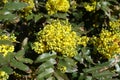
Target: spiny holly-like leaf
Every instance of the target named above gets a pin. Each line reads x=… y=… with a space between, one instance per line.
x=15 y=5
x=45 y=56
x=7 y=69
x=6 y=42
x=26 y=60
x=2 y=59
x=20 y=57
x=46 y=73
x=20 y=53
x=19 y=65
x=69 y=63
x=50 y=63
x=98 y=67
x=103 y=74
x=6 y=15
x=60 y=76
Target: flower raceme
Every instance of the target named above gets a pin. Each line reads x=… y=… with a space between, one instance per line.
x=30 y=6
x=58 y=36
x=115 y=26
x=6 y=48
x=3 y=75
x=90 y=6
x=107 y=43
x=57 y=5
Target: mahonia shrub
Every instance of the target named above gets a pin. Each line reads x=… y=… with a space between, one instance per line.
x=59 y=37
x=107 y=43
x=71 y=39
x=57 y=5
x=4 y=47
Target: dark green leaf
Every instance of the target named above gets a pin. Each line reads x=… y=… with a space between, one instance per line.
x=60 y=76
x=103 y=74
x=7 y=69
x=2 y=59
x=6 y=15
x=20 y=53
x=98 y=67
x=6 y=42
x=44 y=74
x=61 y=15
x=25 y=60
x=15 y=5
x=9 y=57
x=14 y=63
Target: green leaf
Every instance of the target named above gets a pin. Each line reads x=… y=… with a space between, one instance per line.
x=6 y=15
x=9 y=57
x=20 y=57
x=20 y=53
x=36 y=17
x=6 y=42
x=15 y=5
x=61 y=15
x=103 y=74
x=81 y=77
x=45 y=56
x=2 y=60
x=79 y=58
x=98 y=67
x=26 y=60
x=7 y=69
x=69 y=63
x=51 y=78
x=44 y=74
x=60 y=76
x=47 y=64
x=89 y=78
x=117 y=67
x=16 y=64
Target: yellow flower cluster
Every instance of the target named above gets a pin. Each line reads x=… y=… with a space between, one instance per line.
x=58 y=37
x=3 y=75
x=62 y=68
x=115 y=25
x=4 y=1
x=107 y=43
x=90 y=6
x=57 y=5
x=30 y=6
x=6 y=48
x=83 y=40
x=6 y=37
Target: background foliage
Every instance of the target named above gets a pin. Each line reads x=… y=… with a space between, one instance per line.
x=96 y=22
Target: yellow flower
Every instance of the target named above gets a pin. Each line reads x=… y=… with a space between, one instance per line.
x=3 y=75
x=115 y=26
x=90 y=6
x=29 y=8
x=7 y=48
x=62 y=68
x=57 y=5
x=4 y=1
x=107 y=43
x=83 y=41
x=59 y=37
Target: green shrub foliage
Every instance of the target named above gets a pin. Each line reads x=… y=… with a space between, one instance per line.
x=59 y=40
